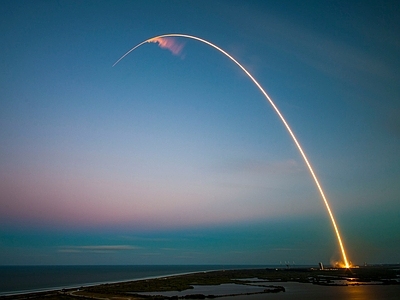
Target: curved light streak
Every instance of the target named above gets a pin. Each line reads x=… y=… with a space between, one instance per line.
x=153 y=39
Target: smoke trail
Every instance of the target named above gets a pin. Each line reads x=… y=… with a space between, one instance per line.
x=163 y=41
x=168 y=43
x=319 y=187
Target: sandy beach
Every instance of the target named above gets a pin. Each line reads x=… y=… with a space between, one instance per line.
x=246 y=284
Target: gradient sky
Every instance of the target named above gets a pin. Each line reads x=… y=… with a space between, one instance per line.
x=177 y=158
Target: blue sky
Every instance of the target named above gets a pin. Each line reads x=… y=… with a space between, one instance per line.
x=178 y=159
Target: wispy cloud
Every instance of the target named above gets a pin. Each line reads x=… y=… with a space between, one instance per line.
x=147 y=239
x=331 y=55
x=96 y=248
x=169 y=43
x=285 y=249
x=265 y=167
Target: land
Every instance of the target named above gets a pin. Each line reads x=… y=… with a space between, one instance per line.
x=384 y=275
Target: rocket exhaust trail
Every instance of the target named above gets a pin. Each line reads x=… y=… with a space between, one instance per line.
x=159 y=37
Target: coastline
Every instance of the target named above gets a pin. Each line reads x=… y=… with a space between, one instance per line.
x=271 y=278
x=88 y=283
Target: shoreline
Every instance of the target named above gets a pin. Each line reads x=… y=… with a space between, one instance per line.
x=91 y=284
x=184 y=280
x=95 y=283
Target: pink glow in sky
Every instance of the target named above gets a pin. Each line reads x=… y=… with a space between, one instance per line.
x=75 y=199
x=169 y=43
x=158 y=143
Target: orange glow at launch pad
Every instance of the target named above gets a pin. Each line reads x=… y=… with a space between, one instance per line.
x=165 y=42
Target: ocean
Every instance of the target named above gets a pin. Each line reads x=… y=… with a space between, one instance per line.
x=24 y=279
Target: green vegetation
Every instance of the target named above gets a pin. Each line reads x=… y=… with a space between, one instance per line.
x=183 y=282
x=127 y=290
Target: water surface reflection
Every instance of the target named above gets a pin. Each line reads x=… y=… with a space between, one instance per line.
x=296 y=290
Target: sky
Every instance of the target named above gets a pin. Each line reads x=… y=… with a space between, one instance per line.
x=173 y=156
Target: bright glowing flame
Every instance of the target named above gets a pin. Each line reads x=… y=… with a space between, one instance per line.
x=341 y=265
x=166 y=44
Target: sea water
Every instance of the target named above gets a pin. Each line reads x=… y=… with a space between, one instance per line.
x=293 y=290
x=24 y=279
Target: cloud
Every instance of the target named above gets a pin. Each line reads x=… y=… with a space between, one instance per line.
x=332 y=55
x=168 y=43
x=265 y=167
x=393 y=123
x=147 y=239
x=96 y=248
x=285 y=249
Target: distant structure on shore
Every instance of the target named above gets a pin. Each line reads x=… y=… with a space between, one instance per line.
x=321 y=266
